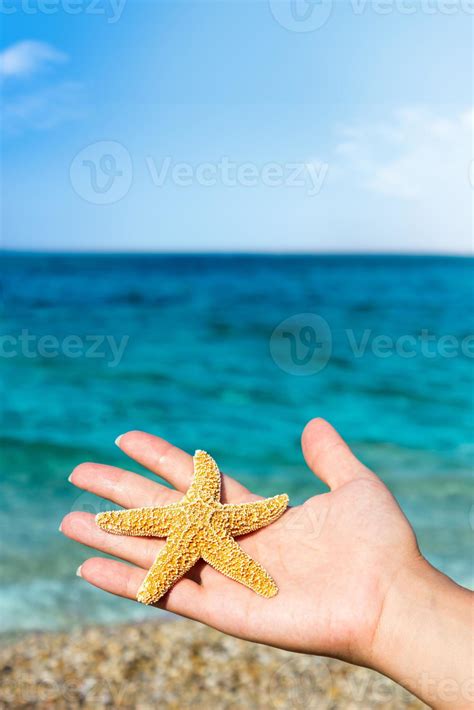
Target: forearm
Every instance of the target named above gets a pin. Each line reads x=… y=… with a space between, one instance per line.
x=424 y=638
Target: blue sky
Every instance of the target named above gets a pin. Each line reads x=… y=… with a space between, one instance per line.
x=255 y=125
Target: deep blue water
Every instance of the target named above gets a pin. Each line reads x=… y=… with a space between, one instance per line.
x=200 y=367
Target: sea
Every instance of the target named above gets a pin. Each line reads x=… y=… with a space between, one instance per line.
x=233 y=354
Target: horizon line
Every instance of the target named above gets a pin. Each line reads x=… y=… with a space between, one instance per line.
x=255 y=253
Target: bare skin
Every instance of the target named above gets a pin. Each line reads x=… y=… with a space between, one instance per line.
x=353 y=583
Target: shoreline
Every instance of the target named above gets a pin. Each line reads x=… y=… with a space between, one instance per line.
x=179 y=664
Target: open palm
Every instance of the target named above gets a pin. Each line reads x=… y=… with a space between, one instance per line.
x=333 y=557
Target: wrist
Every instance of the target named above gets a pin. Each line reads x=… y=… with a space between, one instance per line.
x=423 y=638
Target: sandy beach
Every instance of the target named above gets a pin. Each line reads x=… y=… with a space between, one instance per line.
x=179 y=664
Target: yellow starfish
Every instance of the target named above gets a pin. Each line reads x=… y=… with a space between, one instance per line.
x=199 y=526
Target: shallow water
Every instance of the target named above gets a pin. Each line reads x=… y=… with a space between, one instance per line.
x=200 y=366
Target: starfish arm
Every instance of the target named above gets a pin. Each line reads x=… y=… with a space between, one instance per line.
x=173 y=561
x=226 y=556
x=206 y=483
x=246 y=517
x=140 y=522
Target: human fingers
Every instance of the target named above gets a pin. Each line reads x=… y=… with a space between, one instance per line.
x=329 y=457
x=130 y=490
x=173 y=464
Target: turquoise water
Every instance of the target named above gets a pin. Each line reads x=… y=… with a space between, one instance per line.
x=200 y=367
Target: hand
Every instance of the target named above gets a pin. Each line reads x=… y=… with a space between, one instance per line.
x=337 y=559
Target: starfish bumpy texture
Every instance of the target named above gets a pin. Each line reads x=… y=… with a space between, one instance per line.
x=199 y=526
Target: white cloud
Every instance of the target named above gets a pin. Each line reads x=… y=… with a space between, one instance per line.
x=411 y=155
x=44 y=109
x=414 y=169
x=39 y=108
x=28 y=57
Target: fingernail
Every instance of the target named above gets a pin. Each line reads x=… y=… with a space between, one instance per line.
x=69 y=478
x=60 y=529
x=79 y=571
x=117 y=440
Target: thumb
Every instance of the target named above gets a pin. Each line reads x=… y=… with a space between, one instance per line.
x=329 y=457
